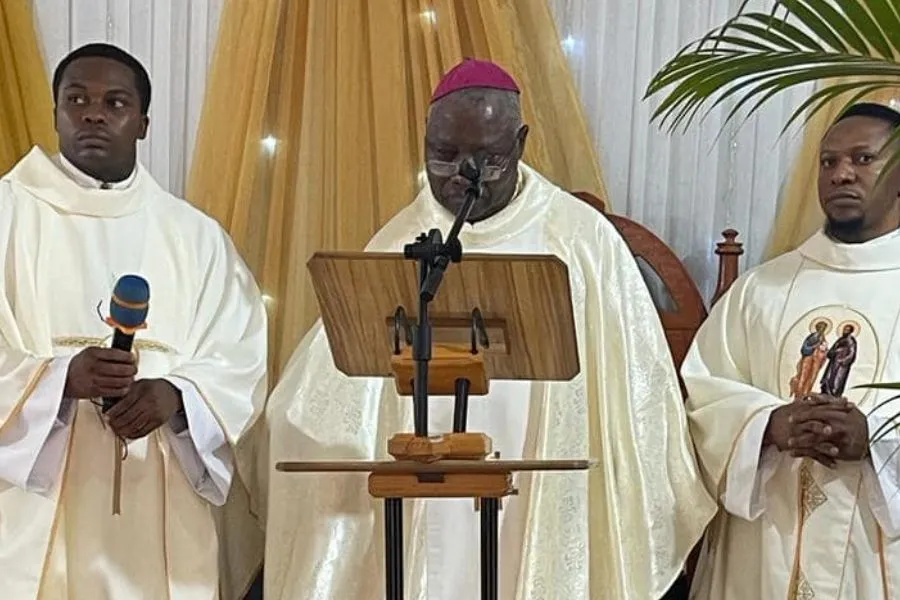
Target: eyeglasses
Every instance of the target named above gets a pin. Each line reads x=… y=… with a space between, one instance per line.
x=491 y=172
x=494 y=166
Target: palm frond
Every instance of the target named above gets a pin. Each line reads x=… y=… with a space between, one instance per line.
x=754 y=56
x=892 y=423
x=895 y=385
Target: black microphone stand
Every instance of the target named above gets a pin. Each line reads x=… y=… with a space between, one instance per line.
x=434 y=256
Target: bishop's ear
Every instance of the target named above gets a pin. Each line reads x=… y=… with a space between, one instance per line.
x=145 y=124
x=521 y=136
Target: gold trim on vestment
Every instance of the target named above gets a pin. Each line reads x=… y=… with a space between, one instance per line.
x=51 y=541
x=86 y=342
x=163 y=446
x=812 y=495
x=809 y=498
x=885 y=586
x=29 y=389
x=802 y=591
x=798 y=546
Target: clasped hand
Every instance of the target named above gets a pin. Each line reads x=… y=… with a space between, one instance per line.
x=820 y=427
x=144 y=405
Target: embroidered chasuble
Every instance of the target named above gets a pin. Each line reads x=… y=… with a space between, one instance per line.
x=821 y=319
x=621 y=531
x=65 y=242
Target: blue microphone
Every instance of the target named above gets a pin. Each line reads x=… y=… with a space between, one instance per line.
x=128 y=310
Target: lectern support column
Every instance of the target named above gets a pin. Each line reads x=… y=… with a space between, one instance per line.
x=393 y=546
x=490 y=514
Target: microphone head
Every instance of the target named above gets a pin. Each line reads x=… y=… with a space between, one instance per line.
x=471 y=168
x=130 y=302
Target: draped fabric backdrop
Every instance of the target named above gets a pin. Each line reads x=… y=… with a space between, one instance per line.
x=685 y=187
x=174 y=39
x=26 y=112
x=322 y=108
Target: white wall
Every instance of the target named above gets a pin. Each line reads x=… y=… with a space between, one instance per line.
x=685 y=187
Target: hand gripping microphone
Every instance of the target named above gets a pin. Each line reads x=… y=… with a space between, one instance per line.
x=128 y=309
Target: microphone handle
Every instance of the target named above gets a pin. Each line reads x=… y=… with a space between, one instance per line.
x=120 y=341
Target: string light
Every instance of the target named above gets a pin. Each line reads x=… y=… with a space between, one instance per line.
x=569 y=44
x=429 y=16
x=269 y=143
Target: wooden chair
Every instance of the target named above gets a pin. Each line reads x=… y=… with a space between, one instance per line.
x=680 y=305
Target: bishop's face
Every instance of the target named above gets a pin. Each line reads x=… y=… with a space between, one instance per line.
x=851 y=158
x=461 y=126
x=99 y=118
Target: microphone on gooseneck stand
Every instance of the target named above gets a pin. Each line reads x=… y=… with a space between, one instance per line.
x=473 y=169
x=128 y=309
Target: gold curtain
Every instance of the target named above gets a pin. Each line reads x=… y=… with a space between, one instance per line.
x=26 y=103
x=800 y=215
x=311 y=133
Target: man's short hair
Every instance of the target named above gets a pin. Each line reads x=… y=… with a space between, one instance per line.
x=872 y=110
x=99 y=50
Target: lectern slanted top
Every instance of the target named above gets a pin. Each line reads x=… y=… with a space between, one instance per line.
x=525 y=301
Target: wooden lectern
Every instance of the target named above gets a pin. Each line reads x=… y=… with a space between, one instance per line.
x=497 y=317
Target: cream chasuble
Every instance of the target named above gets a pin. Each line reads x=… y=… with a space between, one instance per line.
x=64 y=245
x=622 y=531
x=824 y=317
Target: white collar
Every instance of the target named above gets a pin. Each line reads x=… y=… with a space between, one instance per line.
x=86 y=181
x=47 y=181
x=880 y=254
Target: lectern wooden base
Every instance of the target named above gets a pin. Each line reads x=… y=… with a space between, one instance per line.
x=488 y=481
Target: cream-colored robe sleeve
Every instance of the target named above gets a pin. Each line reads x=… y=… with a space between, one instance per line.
x=33 y=442
x=199 y=444
x=728 y=415
x=228 y=370
x=881 y=472
x=228 y=365
x=22 y=374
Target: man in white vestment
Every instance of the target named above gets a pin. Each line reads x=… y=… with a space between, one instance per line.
x=809 y=493
x=70 y=226
x=622 y=530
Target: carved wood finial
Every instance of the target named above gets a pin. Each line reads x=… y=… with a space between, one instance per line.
x=728 y=252
x=730 y=245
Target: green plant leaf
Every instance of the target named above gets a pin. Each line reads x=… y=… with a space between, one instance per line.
x=794 y=69
x=889 y=425
x=816 y=23
x=788 y=30
x=833 y=94
x=862 y=21
x=894 y=385
x=754 y=56
x=885 y=13
x=778 y=42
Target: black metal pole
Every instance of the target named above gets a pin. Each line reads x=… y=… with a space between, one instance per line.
x=461 y=406
x=393 y=542
x=490 y=513
x=422 y=353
